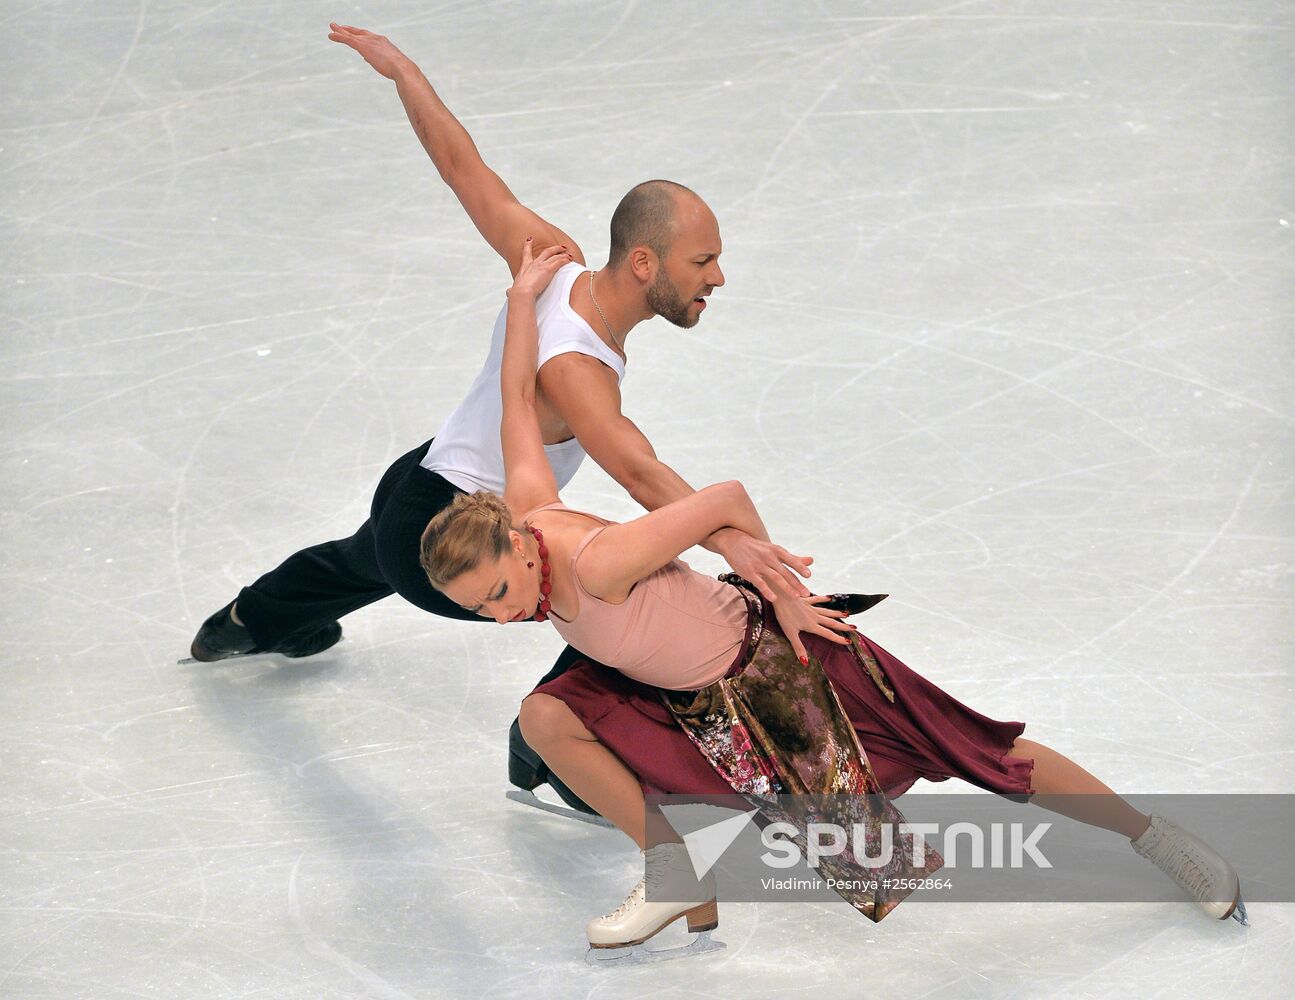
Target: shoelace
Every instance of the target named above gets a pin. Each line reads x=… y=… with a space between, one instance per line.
x=649 y=882
x=638 y=892
x=1184 y=864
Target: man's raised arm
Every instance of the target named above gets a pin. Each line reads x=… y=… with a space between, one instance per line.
x=493 y=208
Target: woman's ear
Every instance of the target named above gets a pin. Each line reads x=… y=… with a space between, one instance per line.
x=519 y=547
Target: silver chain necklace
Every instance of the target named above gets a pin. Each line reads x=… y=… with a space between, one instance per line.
x=619 y=346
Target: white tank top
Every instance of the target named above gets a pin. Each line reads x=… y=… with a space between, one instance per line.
x=466 y=450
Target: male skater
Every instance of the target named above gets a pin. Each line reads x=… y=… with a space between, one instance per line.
x=663 y=261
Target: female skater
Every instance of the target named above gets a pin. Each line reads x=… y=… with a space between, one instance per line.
x=716 y=696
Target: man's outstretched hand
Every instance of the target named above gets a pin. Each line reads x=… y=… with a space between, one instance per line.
x=765 y=565
x=377 y=50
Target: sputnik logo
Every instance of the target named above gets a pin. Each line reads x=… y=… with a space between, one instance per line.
x=707 y=845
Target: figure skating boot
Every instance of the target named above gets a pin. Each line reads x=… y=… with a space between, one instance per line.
x=1200 y=870
x=527 y=770
x=221 y=637
x=618 y=937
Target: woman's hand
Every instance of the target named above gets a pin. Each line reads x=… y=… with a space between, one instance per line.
x=535 y=273
x=804 y=615
x=377 y=50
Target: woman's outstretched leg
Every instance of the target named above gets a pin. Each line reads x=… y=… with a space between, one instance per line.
x=1062 y=786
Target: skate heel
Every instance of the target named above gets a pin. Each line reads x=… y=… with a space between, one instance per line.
x=704 y=917
x=523 y=774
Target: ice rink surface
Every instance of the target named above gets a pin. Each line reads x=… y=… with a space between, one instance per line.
x=1006 y=333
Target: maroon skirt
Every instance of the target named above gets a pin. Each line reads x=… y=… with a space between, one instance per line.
x=925 y=733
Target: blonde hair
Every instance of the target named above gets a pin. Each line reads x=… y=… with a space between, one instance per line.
x=472 y=528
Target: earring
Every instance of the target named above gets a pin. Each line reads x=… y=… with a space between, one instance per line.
x=530 y=565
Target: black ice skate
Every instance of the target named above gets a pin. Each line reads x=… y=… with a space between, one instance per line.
x=528 y=771
x=221 y=637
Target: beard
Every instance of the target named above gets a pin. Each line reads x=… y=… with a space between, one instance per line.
x=663 y=298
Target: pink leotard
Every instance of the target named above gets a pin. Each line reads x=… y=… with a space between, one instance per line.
x=677 y=629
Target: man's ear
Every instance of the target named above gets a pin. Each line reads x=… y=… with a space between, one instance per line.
x=643 y=264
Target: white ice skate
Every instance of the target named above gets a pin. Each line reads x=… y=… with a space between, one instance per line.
x=619 y=937
x=1193 y=864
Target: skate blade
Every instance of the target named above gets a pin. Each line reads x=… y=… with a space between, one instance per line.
x=236 y=658
x=1239 y=913
x=528 y=798
x=258 y=655
x=641 y=954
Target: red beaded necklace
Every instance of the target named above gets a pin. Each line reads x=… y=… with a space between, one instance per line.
x=546 y=588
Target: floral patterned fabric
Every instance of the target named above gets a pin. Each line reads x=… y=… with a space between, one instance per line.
x=775 y=727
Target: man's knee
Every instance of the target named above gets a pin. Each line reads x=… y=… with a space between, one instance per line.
x=544 y=719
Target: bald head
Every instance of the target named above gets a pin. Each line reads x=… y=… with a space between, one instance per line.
x=647 y=217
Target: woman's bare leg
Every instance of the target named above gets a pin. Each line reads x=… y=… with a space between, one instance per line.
x=589 y=769
x=1062 y=786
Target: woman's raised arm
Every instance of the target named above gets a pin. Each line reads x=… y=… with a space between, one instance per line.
x=528 y=477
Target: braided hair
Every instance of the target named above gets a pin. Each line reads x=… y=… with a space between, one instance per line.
x=471 y=529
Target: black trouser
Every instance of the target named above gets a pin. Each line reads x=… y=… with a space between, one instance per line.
x=320 y=584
